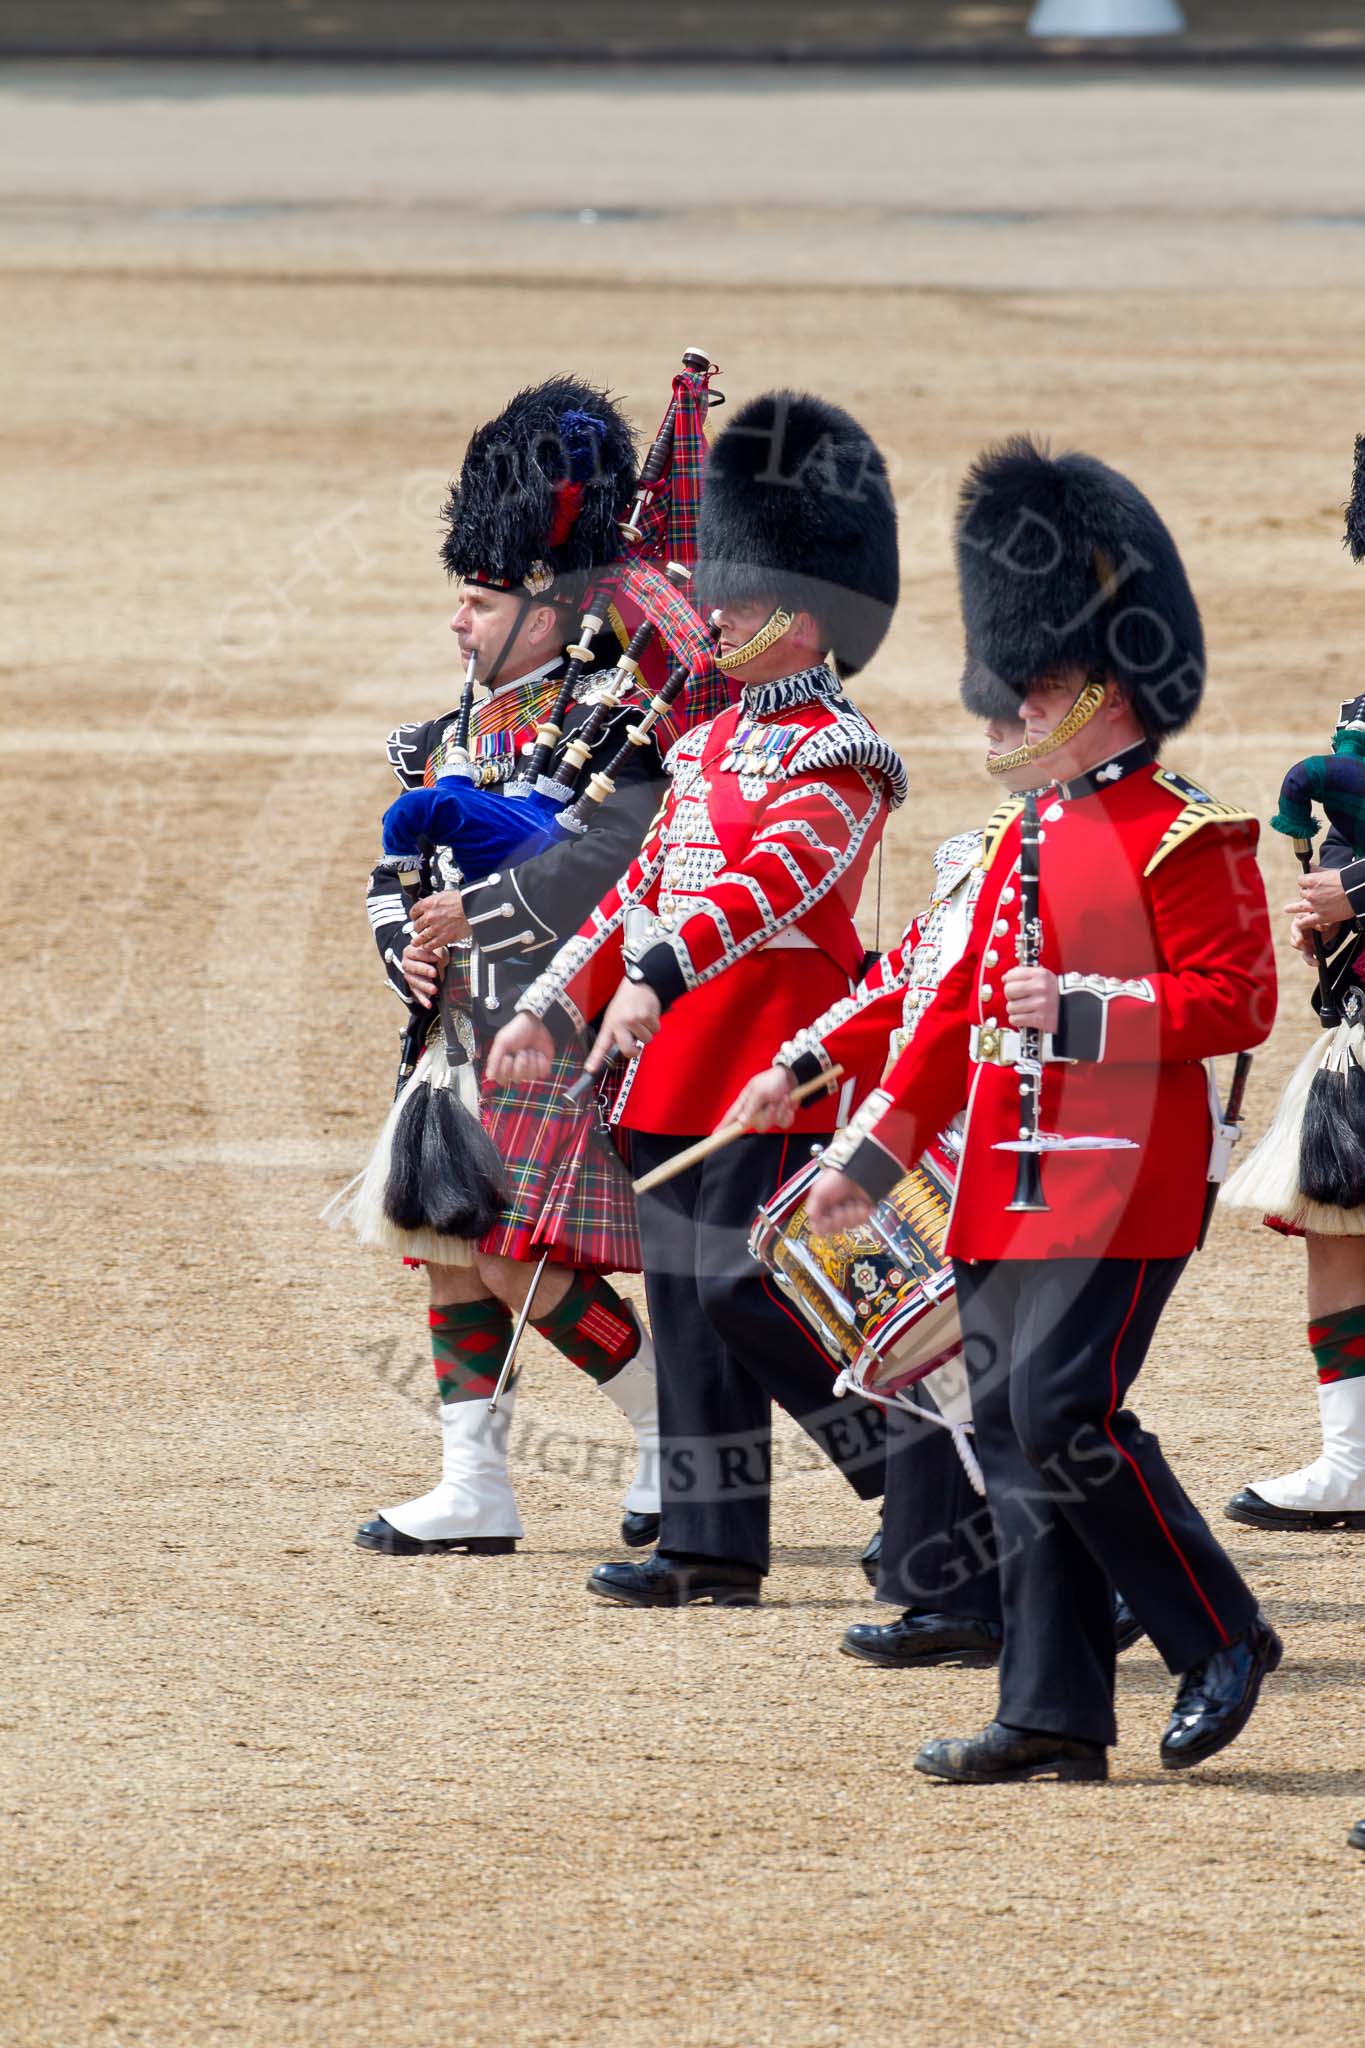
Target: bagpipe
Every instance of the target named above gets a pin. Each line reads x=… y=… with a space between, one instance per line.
x=1321 y=1121
x=1308 y=1171
x=548 y=802
x=435 y=1177
x=434 y=1183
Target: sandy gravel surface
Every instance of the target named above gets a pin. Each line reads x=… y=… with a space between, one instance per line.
x=261 y=1788
x=724 y=174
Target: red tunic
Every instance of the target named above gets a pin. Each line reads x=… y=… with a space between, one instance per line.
x=739 y=908
x=867 y=1032
x=1153 y=913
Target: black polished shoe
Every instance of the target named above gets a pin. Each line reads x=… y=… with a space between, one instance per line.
x=677 y=1582
x=390 y=1542
x=924 y=1639
x=1218 y=1697
x=1247 y=1506
x=1007 y=1756
x=1356 y=1838
x=871 y=1560
x=639 y=1531
x=1127 y=1628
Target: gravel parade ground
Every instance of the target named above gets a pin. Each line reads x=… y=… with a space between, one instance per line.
x=265 y=1789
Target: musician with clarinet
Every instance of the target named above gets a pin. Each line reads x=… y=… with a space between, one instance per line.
x=922 y=1561
x=1073 y=1031
x=532 y=526
x=737 y=918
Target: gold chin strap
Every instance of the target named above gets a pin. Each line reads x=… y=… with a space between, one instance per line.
x=763 y=639
x=1081 y=713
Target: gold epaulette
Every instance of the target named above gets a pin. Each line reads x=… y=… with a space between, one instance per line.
x=997 y=827
x=1197 y=809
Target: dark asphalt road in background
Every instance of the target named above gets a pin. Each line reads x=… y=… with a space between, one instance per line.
x=852 y=30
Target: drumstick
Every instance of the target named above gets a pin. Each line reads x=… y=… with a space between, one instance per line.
x=726 y=1135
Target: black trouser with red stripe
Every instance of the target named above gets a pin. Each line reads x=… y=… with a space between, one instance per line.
x=1081 y=1496
x=728 y=1346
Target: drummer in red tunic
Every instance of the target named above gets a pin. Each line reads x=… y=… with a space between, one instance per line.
x=733 y=924
x=1155 y=956
x=932 y=1557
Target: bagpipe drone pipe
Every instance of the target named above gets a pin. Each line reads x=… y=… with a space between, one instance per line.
x=1324 y=1104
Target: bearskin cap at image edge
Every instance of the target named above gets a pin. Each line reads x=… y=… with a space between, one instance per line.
x=1065 y=567
x=797 y=511
x=546 y=482
x=1355 y=511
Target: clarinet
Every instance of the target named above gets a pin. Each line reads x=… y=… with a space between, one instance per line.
x=1028 y=1179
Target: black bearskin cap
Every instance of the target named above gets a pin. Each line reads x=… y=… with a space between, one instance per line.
x=1355 y=511
x=796 y=510
x=545 y=483
x=1063 y=565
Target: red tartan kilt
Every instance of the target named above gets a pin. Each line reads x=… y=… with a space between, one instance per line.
x=569 y=1189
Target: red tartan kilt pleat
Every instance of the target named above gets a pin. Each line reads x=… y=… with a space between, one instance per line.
x=569 y=1189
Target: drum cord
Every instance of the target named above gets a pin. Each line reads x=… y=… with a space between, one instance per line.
x=960 y=1432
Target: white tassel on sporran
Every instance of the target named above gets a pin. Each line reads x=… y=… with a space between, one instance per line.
x=1270 y=1178
x=360 y=1204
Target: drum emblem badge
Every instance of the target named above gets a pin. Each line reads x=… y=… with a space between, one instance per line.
x=864 y=1277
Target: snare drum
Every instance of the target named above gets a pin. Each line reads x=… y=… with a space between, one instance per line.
x=879 y=1299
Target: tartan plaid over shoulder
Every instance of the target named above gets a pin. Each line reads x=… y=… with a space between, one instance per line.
x=638 y=589
x=669 y=526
